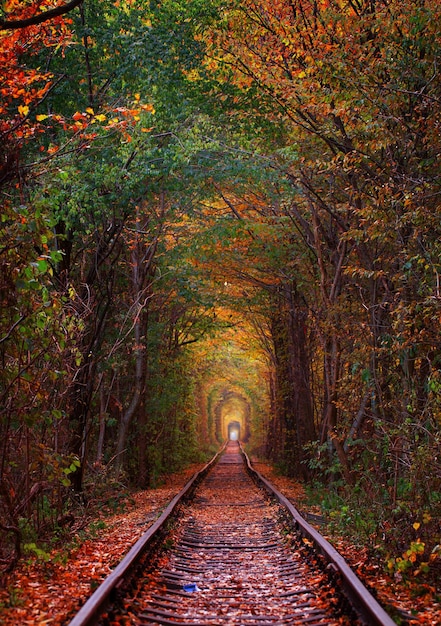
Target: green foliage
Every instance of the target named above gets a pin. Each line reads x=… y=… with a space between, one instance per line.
x=39 y=553
x=256 y=172
x=416 y=560
x=15 y=598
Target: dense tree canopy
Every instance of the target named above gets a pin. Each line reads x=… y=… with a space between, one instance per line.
x=219 y=211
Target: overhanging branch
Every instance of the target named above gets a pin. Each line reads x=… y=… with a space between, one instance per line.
x=40 y=18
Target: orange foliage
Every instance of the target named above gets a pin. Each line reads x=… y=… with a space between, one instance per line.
x=23 y=88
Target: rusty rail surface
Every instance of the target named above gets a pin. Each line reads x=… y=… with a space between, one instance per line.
x=362 y=599
x=228 y=561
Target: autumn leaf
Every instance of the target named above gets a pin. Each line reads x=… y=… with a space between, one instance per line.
x=148 y=107
x=23 y=109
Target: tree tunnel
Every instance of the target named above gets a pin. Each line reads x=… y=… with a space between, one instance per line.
x=232 y=416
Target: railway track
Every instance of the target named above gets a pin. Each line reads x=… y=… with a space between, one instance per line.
x=236 y=553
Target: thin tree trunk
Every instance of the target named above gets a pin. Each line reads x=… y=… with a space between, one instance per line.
x=102 y=422
x=126 y=418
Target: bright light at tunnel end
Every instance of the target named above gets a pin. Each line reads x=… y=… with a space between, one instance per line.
x=234 y=434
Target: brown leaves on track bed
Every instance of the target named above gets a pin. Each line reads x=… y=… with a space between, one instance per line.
x=39 y=593
x=49 y=593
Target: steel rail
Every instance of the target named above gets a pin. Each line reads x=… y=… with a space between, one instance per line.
x=94 y=606
x=359 y=595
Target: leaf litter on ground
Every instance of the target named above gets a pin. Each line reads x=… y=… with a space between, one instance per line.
x=50 y=593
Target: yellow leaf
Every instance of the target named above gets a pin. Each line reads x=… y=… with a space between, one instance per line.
x=100 y=117
x=416 y=525
x=148 y=107
x=137 y=96
x=307 y=541
x=23 y=109
x=90 y=111
x=41 y=117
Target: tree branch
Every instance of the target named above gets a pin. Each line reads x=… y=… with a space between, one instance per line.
x=40 y=17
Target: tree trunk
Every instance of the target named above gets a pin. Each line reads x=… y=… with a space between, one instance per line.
x=102 y=422
x=293 y=390
x=93 y=306
x=142 y=276
x=138 y=389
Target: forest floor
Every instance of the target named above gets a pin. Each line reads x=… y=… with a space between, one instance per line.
x=41 y=592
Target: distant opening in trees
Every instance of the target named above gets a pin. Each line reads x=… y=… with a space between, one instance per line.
x=232 y=408
x=234 y=431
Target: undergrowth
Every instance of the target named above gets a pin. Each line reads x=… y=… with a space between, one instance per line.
x=402 y=535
